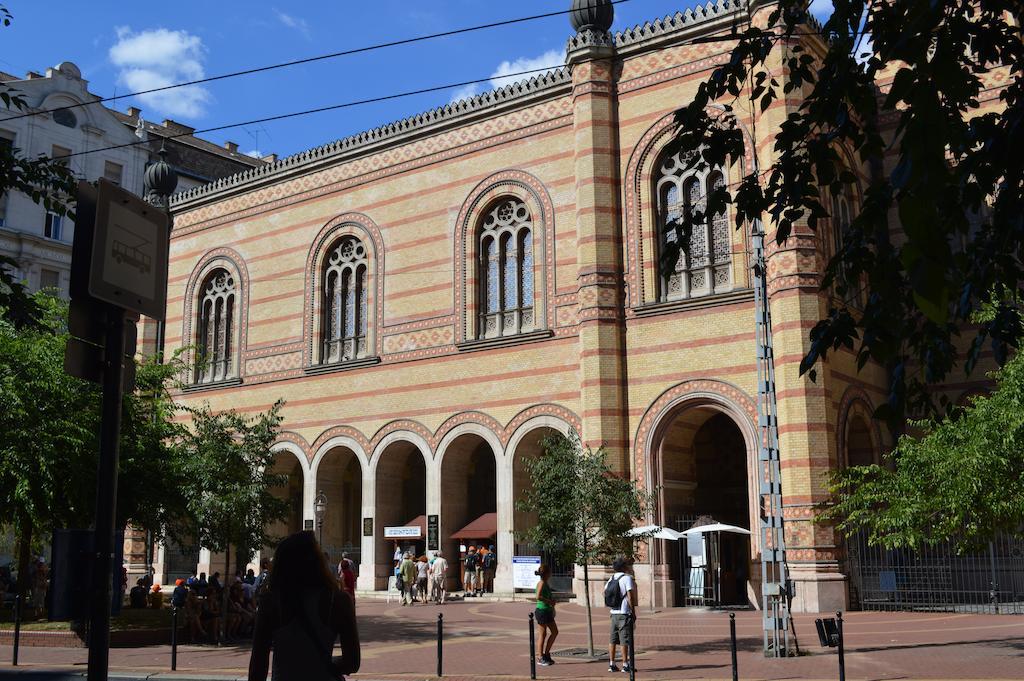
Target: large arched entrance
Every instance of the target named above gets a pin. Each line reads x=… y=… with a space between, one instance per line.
x=401 y=500
x=860 y=451
x=287 y=465
x=701 y=471
x=340 y=477
x=469 y=509
x=531 y=447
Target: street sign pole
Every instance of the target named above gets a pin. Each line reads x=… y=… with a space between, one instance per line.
x=106 y=497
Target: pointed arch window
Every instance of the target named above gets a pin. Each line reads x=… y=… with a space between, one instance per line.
x=842 y=217
x=506 y=270
x=704 y=265
x=216 y=328
x=344 y=301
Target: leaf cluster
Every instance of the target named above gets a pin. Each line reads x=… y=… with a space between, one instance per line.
x=962 y=480
x=902 y=79
x=583 y=508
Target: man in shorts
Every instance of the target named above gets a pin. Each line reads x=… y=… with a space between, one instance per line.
x=439 y=575
x=624 y=616
x=472 y=564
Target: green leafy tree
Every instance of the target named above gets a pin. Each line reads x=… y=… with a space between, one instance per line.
x=49 y=424
x=962 y=480
x=226 y=480
x=955 y=179
x=583 y=509
x=46 y=181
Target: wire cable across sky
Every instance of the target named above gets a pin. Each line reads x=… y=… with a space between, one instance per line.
x=307 y=60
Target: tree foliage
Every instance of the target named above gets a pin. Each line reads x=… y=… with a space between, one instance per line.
x=956 y=181
x=46 y=181
x=226 y=479
x=583 y=508
x=963 y=479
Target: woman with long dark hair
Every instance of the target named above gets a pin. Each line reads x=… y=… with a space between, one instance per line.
x=300 y=617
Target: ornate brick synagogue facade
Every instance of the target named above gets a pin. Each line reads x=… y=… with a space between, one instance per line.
x=433 y=297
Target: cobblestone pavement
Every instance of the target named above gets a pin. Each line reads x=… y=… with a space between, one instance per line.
x=490 y=639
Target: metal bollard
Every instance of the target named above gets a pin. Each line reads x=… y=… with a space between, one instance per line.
x=17 y=628
x=174 y=638
x=842 y=659
x=440 y=635
x=632 y=646
x=533 y=651
x=732 y=646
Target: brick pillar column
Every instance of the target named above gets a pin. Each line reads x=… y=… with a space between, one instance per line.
x=591 y=58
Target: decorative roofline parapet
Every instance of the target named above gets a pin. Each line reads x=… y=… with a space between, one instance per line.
x=463 y=108
x=624 y=42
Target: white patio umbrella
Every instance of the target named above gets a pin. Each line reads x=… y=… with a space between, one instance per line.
x=654 y=532
x=714 y=527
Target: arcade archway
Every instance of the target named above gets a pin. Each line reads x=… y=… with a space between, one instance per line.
x=468 y=499
x=340 y=477
x=701 y=472
x=401 y=500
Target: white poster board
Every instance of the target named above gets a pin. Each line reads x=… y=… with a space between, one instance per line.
x=524 y=570
x=403 y=532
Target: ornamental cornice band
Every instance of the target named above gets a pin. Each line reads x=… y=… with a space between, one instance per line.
x=550 y=80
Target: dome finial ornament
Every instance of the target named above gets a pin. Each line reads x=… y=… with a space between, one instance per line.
x=593 y=15
x=160 y=180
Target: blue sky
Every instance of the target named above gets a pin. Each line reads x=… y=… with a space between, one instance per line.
x=125 y=46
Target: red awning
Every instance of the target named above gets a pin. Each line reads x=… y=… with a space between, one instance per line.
x=484 y=527
x=419 y=521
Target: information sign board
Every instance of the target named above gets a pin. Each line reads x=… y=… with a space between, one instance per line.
x=524 y=569
x=403 y=532
x=433 y=534
x=129 y=252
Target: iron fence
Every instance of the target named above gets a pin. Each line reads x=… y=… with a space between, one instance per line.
x=937 y=578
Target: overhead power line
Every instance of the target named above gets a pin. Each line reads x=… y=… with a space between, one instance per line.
x=308 y=60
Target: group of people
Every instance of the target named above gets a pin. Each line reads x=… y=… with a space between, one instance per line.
x=39 y=581
x=478 y=570
x=620 y=597
x=422 y=579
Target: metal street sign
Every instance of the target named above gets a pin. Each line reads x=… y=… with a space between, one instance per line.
x=129 y=252
x=433 y=533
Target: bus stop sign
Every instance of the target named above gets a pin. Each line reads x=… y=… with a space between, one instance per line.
x=129 y=252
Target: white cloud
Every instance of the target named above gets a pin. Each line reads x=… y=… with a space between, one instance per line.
x=159 y=57
x=501 y=76
x=293 y=22
x=255 y=153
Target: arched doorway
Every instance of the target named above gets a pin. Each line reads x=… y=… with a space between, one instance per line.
x=531 y=447
x=469 y=509
x=701 y=471
x=285 y=464
x=401 y=499
x=340 y=477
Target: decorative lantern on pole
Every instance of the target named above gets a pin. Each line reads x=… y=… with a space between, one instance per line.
x=319 y=509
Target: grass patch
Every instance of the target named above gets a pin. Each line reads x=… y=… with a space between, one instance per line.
x=128 y=620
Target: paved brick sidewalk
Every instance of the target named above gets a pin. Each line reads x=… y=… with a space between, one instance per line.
x=490 y=639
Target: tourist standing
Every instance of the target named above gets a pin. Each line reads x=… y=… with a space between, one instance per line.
x=407 y=573
x=489 y=563
x=304 y=612
x=544 y=615
x=472 y=565
x=620 y=597
x=439 y=576
x=421 y=579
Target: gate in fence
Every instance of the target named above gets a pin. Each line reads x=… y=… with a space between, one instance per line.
x=937 y=578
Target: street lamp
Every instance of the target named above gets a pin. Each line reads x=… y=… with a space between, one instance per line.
x=319 y=508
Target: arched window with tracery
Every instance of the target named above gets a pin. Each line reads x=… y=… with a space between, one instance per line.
x=344 y=301
x=704 y=264
x=841 y=218
x=506 y=270
x=216 y=328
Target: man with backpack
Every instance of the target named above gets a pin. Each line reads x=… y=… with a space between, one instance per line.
x=620 y=597
x=489 y=563
x=471 y=563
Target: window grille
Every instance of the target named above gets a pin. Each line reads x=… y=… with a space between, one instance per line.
x=506 y=268
x=216 y=328
x=704 y=266
x=345 y=309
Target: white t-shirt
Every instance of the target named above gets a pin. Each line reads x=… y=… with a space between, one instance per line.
x=439 y=567
x=626 y=584
x=421 y=570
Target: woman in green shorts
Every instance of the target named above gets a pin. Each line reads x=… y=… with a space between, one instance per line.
x=545 y=616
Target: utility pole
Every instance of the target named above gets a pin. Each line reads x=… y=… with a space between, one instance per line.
x=774 y=575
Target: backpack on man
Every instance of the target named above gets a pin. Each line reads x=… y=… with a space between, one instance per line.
x=613 y=595
x=489 y=560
